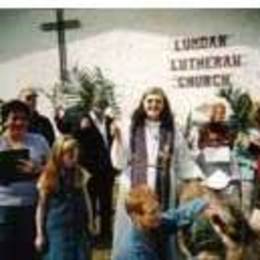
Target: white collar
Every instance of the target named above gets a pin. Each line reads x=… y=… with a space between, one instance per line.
x=152 y=124
x=95 y=118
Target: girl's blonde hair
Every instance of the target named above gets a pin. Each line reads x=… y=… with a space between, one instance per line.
x=49 y=179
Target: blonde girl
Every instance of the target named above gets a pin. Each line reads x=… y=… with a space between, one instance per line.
x=63 y=205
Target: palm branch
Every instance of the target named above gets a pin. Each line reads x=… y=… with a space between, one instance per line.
x=242 y=108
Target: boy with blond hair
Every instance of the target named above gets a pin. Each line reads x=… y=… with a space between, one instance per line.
x=151 y=227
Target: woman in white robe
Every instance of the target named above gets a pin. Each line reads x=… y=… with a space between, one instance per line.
x=152 y=151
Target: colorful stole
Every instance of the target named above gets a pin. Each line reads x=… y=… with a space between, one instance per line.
x=139 y=161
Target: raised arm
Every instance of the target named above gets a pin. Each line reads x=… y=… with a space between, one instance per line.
x=185 y=165
x=119 y=149
x=184 y=215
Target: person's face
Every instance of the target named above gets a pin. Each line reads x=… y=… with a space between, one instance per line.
x=99 y=108
x=31 y=101
x=99 y=111
x=70 y=158
x=153 y=106
x=150 y=217
x=17 y=123
x=219 y=113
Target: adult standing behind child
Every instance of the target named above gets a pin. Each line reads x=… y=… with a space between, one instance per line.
x=217 y=156
x=38 y=123
x=92 y=130
x=153 y=152
x=63 y=210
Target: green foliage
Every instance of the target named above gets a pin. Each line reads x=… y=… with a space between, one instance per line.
x=202 y=236
x=81 y=87
x=242 y=107
x=80 y=90
x=86 y=85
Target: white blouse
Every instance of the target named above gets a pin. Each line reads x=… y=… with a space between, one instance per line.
x=120 y=153
x=182 y=162
x=152 y=131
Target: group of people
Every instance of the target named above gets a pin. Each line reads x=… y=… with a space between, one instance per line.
x=18 y=193
x=55 y=188
x=68 y=183
x=221 y=150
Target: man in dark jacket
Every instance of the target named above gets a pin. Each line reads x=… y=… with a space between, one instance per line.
x=38 y=123
x=92 y=130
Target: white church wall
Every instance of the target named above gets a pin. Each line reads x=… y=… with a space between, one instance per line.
x=132 y=47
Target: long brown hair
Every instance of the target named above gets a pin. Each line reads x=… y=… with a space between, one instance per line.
x=49 y=179
x=166 y=117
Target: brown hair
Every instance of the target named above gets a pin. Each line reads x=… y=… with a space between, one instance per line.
x=166 y=117
x=137 y=197
x=14 y=106
x=49 y=179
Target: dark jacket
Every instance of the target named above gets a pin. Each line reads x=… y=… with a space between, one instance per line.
x=40 y=124
x=94 y=151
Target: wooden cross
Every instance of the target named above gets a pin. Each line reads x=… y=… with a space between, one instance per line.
x=60 y=26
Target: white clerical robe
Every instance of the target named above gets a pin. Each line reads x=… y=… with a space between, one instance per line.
x=182 y=167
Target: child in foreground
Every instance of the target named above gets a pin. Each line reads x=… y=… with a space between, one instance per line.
x=151 y=227
x=63 y=206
